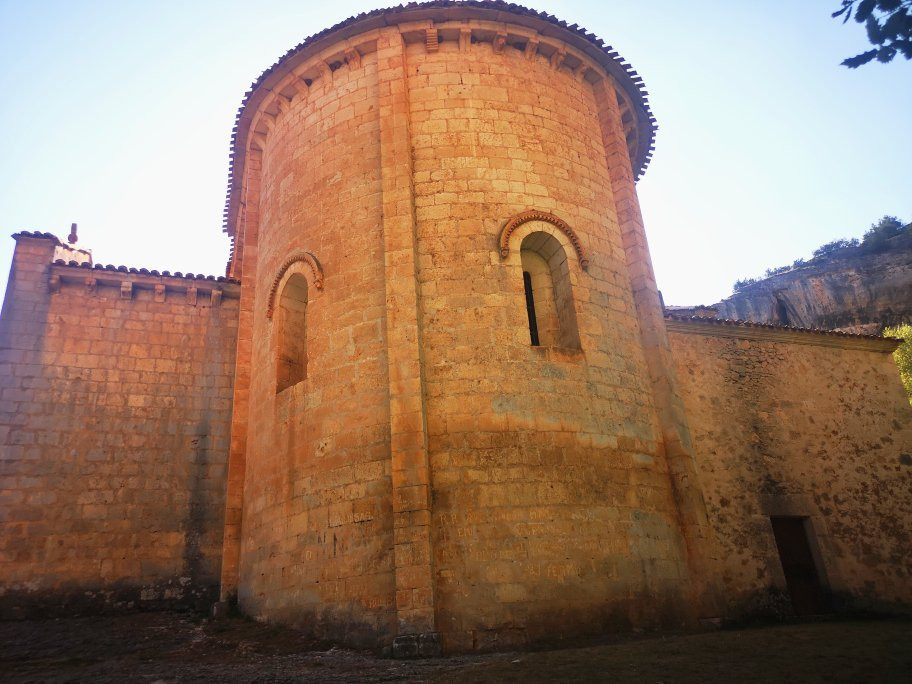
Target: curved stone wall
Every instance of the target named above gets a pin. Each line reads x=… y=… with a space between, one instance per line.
x=316 y=544
x=435 y=472
x=551 y=500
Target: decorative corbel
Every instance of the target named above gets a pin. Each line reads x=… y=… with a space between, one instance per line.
x=557 y=58
x=499 y=41
x=299 y=85
x=259 y=141
x=353 y=58
x=465 y=39
x=580 y=71
x=431 y=39
x=268 y=119
x=281 y=102
x=325 y=71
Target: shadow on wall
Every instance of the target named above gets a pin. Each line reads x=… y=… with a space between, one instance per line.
x=197 y=507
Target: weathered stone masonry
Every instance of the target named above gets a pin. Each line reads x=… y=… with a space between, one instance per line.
x=115 y=400
x=801 y=423
x=441 y=407
x=521 y=492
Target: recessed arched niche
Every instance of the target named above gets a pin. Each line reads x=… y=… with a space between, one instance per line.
x=287 y=308
x=291 y=332
x=546 y=246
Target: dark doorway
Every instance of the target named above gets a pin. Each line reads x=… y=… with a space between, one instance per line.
x=798 y=565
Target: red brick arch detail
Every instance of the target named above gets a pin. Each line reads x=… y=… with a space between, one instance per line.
x=534 y=215
x=316 y=271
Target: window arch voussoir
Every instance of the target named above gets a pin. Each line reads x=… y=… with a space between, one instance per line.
x=512 y=232
x=302 y=257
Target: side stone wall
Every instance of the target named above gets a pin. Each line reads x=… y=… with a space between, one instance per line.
x=115 y=402
x=807 y=425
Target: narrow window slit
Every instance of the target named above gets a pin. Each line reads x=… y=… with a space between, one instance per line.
x=548 y=292
x=530 y=308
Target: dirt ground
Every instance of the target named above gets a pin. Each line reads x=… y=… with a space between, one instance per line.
x=159 y=648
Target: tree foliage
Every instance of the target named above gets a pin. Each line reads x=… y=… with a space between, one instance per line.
x=876 y=237
x=831 y=248
x=889 y=27
x=777 y=270
x=741 y=284
x=903 y=354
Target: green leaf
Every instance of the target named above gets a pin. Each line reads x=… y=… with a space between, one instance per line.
x=875 y=36
x=895 y=25
x=903 y=355
x=858 y=60
x=864 y=9
x=846 y=6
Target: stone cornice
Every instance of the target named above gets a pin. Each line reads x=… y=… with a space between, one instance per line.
x=351 y=37
x=91 y=278
x=764 y=333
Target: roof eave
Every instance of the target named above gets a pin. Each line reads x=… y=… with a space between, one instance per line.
x=493 y=10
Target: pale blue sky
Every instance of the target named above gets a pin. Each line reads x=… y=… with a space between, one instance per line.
x=117 y=115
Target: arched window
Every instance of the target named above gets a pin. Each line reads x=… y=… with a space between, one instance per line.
x=549 y=297
x=291 y=349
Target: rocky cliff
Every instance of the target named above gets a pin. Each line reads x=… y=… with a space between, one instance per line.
x=853 y=291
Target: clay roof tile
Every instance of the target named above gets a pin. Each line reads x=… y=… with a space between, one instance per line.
x=749 y=324
x=634 y=82
x=138 y=271
x=37 y=234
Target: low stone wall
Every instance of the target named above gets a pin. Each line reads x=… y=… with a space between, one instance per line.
x=803 y=425
x=115 y=402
